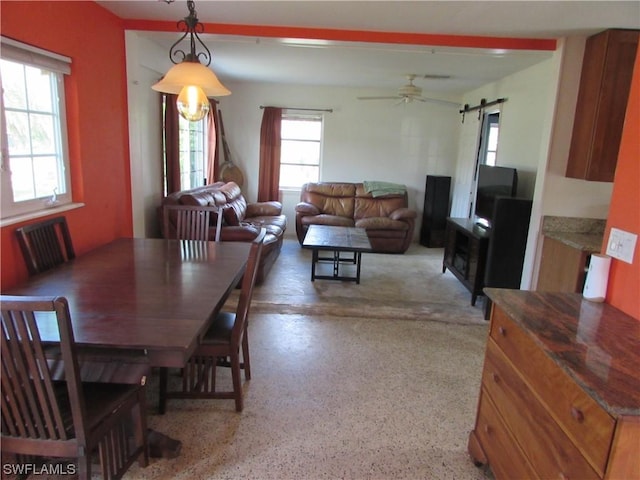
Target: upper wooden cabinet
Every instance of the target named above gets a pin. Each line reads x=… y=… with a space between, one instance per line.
x=607 y=70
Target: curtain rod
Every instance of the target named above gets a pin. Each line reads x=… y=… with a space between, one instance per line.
x=330 y=110
x=483 y=104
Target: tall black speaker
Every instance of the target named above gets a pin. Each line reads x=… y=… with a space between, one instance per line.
x=507 y=242
x=436 y=211
x=507 y=245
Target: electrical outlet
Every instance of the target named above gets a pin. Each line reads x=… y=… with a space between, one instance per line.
x=621 y=245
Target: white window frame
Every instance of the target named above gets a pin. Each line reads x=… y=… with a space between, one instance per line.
x=184 y=131
x=304 y=116
x=58 y=65
x=199 y=130
x=490 y=127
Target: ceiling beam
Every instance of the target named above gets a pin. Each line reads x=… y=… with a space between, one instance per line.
x=435 y=40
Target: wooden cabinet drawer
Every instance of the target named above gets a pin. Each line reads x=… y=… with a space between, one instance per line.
x=548 y=448
x=588 y=425
x=506 y=459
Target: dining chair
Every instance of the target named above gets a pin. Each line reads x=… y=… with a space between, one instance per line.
x=45 y=244
x=221 y=345
x=189 y=222
x=48 y=418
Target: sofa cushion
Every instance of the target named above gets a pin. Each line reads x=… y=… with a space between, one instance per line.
x=331 y=198
x=332 y=189
x=403 y=214
x=279 y=221
x=236 y=206
x=231 y=191
x=261 y=209
x=201 y=198
x=305 y=208
x=368 y=206
x=230 y=216
x=324 y=219
x=381 y=223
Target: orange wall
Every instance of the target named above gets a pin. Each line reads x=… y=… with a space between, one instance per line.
x=96 y=99
x=623 y=289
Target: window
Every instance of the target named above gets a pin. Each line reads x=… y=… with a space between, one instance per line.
x=487 y=149
x=301 y=149
x=193 y=153
x=193 y=147
x=489 y=139
x=35 y=163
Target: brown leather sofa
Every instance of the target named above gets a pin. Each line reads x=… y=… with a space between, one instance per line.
x=387 y=219
x=241 y=221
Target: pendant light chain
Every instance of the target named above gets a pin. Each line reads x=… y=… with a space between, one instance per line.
x=190 y=26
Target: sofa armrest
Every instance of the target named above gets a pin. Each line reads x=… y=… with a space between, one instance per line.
x=243 y=233
x=307 y=209
x=261 y=209
x=403 y=213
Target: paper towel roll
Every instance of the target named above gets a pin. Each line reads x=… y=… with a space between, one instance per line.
x=595 y=286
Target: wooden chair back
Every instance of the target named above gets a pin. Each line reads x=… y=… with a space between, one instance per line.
x=246 y=292
x=46 y=417
x=45 y=244
x=31 y=405
x=187 y=222
x=221 y=346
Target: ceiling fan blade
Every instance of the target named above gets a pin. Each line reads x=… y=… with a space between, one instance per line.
x=378 y=98
x=437 y=100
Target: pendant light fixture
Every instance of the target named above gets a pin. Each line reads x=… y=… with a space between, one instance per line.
x=190 y=79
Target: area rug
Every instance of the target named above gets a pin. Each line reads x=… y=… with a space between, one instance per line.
x=409 y=286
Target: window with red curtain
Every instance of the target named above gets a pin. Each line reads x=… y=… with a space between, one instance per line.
x=190 y=148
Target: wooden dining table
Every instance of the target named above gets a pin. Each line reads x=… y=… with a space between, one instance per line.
x=154 y=297
x=151 y=295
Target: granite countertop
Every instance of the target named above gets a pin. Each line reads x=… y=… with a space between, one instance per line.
x=594 y=343
x=588 y=242
x=581 y=233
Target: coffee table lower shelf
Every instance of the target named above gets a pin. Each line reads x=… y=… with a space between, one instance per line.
x=336 y=259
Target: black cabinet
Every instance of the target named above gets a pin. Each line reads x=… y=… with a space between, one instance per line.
x=465 y=253
x=489 y=257
x=436 y=211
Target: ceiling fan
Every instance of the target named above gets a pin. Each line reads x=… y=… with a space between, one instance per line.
x=410 y=92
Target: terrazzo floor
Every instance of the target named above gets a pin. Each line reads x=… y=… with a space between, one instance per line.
x=372 y=381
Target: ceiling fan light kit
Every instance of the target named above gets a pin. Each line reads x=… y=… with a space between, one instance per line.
x=410 y=92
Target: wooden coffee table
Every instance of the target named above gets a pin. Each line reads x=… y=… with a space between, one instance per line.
x=337 y=240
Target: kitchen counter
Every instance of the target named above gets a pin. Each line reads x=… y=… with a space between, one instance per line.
x=560 y=393
x=585 y=234
x=595 y=344
x=586 y=242
x=566 y=251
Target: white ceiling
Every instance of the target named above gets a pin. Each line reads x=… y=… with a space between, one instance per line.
x=381 y=67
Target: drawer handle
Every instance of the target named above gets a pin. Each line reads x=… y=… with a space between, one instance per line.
x=487 y=429
x=503 y=331
x=496 y=377
x=562 y=476
x=577 y=414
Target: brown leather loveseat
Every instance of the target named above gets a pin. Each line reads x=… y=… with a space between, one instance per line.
x=241 y=221
x=388 y=220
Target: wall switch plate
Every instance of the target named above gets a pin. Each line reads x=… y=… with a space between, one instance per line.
x=621 y=245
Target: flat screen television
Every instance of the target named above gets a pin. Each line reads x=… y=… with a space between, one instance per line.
x=493 y=182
